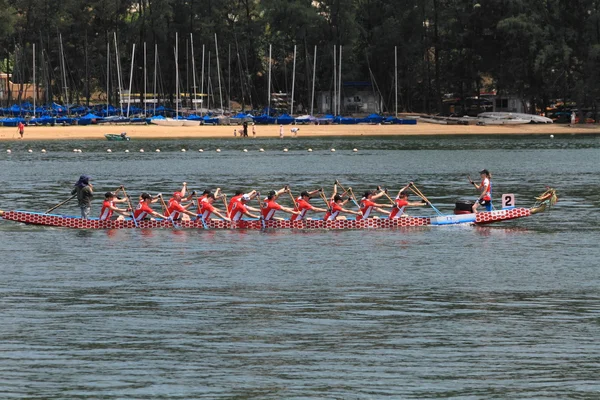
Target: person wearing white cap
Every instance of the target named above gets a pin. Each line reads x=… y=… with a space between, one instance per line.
x=239 y=209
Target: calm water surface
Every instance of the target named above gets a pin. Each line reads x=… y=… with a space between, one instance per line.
x=506 y=311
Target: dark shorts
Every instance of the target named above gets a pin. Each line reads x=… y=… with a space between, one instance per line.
x=486 y=203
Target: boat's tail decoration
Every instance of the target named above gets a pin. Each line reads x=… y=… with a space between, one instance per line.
x=544 y=201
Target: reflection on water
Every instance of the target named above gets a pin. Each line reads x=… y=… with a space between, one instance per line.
x=500 y=311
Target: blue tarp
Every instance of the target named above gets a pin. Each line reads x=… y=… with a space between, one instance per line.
x=285 y=119
x=89 y=119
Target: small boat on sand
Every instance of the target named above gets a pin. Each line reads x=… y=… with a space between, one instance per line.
x=116 y=137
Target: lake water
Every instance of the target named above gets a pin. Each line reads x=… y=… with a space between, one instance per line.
x=505 y=311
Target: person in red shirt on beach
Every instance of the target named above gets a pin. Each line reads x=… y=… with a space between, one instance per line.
x=108 y=207
x=303 y=205
x=143 y=209
x=269 y=205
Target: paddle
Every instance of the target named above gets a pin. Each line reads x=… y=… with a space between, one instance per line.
x=129 y=205
x=293 y=200
x=163 y=204
x=262 y=220
x=61 y=203
x=386 y=195
x=416 y=191
x=200 y=215
x=348 y=191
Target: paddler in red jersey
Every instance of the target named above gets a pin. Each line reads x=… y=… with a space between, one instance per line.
x=336 y=206
x=205 y=195
x=208 y=209
x=175 y=210
x=108 y=207
x=367 y=205
x=239 y=209
x=269 y=205
x=303 y=205
x=238 y=195
x=143 y=209
x=401 y=203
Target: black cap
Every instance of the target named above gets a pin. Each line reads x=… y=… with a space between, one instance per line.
x=146 y=196
x=206 y=191
x=404 y=193
x=484 y=171
x=367 y=194
x=109 y=194
x=304 y=193
x=337 y=198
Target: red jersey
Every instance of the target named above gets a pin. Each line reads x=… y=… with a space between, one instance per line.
x=488 y=192
x=333 y=212
x=233 y=200
x=398 y=210
x=366 y=206
x=174 y=209
x=106 y=212
x=268 y=208
x=201 y=200
x=206 y=210
x=141 y=211
x=303 y=206
x=237 y=211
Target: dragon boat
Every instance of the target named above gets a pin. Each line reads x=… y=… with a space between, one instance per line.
x=461 y=216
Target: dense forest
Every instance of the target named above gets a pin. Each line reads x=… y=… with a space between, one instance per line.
x=539 y=50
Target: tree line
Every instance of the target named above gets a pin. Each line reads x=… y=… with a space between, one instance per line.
x=538 y=50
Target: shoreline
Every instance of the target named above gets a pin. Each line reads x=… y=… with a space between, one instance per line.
x=96 y=132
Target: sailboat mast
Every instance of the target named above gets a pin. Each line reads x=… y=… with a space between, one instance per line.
x=293 y=82
x=64 y=73
x=119 y=80
x=195 y=101
x=176 y=75
x=312 y=99
x=269 y=84
x=334 y=97
x=34 y=87
x=107 y=76
x=208 y=84
x=396 y=76
x=339 y=98
x=145 y=79
x=219 y=74
x=130 y=80
x=154 y=101
x=202 y=83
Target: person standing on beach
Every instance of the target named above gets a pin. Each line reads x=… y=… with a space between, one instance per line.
x=280 y=131
x=85 y=192
x=253 y=130
x=245 y=127
x=21 y=129
x=234 y=132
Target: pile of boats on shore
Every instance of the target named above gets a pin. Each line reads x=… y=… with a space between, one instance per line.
x=489 y=118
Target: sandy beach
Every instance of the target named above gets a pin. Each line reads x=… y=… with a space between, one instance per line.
x=158 y=132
